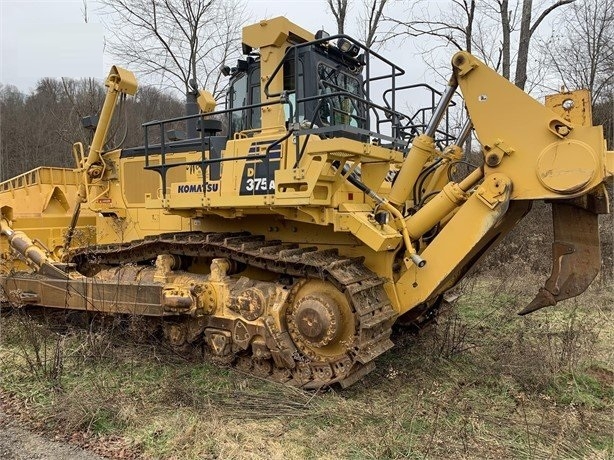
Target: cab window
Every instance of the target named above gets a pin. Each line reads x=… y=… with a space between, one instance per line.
x=238 y=98
x=245 y=90
x=340 y=109
x=289 y=86
x=254 y=97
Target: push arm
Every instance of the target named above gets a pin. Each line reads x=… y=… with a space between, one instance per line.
x=530 y=152
x=120 y=81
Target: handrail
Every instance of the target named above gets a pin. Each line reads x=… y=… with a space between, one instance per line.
x=328 y=39
x=210 y=114
x=362 y=104
x=394 y=72
x=445 y=138
x=32 y=177
x=163 y=167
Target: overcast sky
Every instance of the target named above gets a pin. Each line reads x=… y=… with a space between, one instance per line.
x=49 y=38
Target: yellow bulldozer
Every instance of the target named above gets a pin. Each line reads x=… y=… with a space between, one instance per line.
x=295 y=226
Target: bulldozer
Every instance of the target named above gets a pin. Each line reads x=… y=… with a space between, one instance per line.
x=289 y=231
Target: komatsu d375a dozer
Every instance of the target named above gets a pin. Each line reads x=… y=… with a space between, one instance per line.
x=289 y=231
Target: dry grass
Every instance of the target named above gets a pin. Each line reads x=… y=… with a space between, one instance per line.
x=481 y=383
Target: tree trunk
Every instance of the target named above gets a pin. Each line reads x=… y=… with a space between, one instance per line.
x=373 y=20
x=469 y=29
x=339 y=10
x=523 y=46
x=506 y=32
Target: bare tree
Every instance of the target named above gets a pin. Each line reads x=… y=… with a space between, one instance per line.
x=46 y=122
x=453 y=25
x=527 y=30
x=42 y=124
x=507 y=22
x=339 y=9
x=580 y=53
x=485 y=28
x=583 y=56
x=368 y=18
x=176 y=40
x=84 y=11
x=13 y=129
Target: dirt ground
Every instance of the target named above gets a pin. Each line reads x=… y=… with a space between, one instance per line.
x=18 y=443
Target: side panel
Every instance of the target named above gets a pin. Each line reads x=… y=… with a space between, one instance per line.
x=40 y=203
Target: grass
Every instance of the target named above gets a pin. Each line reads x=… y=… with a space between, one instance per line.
x=481 y=383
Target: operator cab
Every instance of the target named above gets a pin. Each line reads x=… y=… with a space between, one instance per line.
x=330 y=89
x=326 y=82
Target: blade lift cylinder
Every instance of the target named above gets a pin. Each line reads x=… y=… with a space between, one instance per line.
x=422 y=148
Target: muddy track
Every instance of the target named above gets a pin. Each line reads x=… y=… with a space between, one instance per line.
x=372 y=312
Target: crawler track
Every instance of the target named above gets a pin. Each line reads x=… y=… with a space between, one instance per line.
x=289 y=360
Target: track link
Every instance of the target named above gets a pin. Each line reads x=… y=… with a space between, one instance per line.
x=371 y=308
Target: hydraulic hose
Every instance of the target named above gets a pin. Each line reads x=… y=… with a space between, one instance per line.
x=413 y=255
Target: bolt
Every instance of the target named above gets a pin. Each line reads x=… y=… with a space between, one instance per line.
x=492 y=160
x=562 y=130
x=459 y=61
